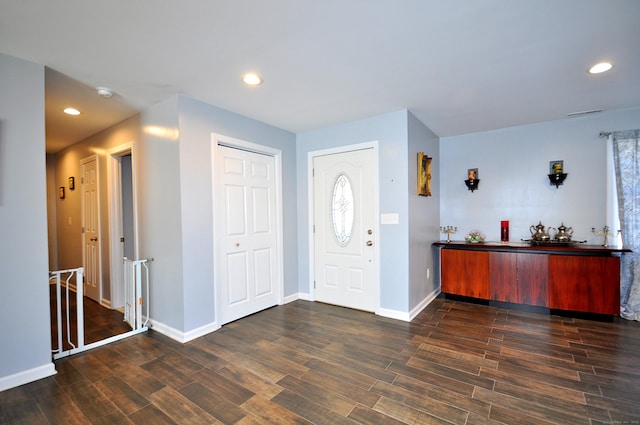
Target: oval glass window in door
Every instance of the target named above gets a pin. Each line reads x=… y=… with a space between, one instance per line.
x=342 y=210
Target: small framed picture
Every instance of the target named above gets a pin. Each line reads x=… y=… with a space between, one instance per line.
x=61 y=192
x=472 y=174
x=556 y=167
x=424 y=174
x=72 y=183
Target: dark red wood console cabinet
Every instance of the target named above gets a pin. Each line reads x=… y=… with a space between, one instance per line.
x=581 y=278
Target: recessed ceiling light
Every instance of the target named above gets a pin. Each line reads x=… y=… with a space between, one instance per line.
x=252 y=79
x=104 y=92
x=600 y=67
x=71 y=111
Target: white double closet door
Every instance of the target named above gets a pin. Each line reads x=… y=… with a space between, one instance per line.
x=248 y=233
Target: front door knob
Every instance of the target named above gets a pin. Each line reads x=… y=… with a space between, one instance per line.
x=369 y=243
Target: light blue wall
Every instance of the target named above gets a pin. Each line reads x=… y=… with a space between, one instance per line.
x=513 y=165
x=177 y=220
x=159 y=212
x=175 y=201
x=25 y=347
x=198 y=121
x=424 y=214
x=390 y=131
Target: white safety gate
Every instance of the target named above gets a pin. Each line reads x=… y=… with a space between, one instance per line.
x=133 y=277
x=133 y=272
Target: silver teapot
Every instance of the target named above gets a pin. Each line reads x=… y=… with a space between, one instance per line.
x=563 y=234
x=538 y=234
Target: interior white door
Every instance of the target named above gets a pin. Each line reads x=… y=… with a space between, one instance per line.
x=345 y=270
x=91 y=228
x=248 y=233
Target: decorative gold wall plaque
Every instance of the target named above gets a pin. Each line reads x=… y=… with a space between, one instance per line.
x=424 y=174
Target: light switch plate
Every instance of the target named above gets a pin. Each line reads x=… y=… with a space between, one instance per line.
x=392 y=218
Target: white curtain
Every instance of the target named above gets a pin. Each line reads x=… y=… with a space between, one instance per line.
x=626 y=153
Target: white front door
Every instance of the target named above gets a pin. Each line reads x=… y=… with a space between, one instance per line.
x=344 y=198
x=248 y=235
x=91 y=228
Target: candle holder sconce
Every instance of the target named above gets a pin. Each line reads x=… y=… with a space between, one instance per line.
x=472 y=180
x=556 y=174
x=604 y=232
x=448 y=230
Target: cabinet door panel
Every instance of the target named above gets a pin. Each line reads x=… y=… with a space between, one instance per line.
x=503 y=276
x=465 y=273
x=586 y=284
x=533 y=275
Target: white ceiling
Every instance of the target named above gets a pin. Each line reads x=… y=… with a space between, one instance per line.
x=460 y=66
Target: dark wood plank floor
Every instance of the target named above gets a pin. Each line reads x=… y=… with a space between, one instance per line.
x=304 y=362
x=99 y=322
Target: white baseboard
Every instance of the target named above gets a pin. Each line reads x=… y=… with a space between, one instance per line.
x=409 y=316
x=290 y=298
x=183 y=337
x=424 y=303
x=305 y=296
x=27 y=376
x=298 y=296
x=180 y=336
x=394 y=314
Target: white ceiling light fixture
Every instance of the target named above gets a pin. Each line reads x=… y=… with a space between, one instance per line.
x=600 y=68
x=71 y=111
x=104 y=92
x=252 y=79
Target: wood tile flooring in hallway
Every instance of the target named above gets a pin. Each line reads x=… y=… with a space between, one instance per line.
x=99 y=322
x=304 y=362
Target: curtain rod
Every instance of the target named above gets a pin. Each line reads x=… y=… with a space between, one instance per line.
x=605 y=133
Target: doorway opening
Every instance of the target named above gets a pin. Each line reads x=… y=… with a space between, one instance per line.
x=122 y=202
x=107 y=228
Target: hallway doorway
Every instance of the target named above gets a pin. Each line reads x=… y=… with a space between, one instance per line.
x=121 y=199
x=105 y=222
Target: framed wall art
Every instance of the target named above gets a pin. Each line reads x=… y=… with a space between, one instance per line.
x=556 y=167
x=424 y=174
x=472 y=180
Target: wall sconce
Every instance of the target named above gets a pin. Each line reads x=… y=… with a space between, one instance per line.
x=72 y=183
x=61 y=192
x=472 y=180
x=556 y=174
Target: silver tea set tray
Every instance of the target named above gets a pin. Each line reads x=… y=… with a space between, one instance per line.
x=562 y=236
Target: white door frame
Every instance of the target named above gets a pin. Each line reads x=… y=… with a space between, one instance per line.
x=341 y=149
x=114 y=199
x=218 y=139
x=83 y=161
